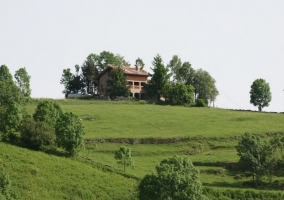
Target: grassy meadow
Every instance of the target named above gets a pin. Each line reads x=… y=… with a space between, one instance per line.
x=105 y=119
x=210 y=136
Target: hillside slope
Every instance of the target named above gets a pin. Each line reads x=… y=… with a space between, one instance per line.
x=36 y=175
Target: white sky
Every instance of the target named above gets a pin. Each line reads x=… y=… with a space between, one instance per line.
x=235 y=41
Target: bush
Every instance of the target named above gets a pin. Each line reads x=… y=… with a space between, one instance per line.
x=176 y=178
x=201 y=103
x=69 y=133
x=35 y=134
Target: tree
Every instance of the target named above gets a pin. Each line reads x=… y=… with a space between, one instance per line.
x=254 y=153
x=176 y=178
x=139 y=62
x=11 y=102
x=160 y=78
x=117 y=84
x=186 y=74
x=180 y=93
x=69 y=133
x=106 y=58
x=175 y=65
x=48 y=111
x=66 y=80
x=204 y=86
x=23 y=82
x=5 y=73
x=260 y=94
x=89 y=72
x=123 y=157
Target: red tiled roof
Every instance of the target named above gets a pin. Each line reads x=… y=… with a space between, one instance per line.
x=126 y=70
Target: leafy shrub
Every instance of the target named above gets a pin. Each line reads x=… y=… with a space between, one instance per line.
x=69 y=133
x=35 y=134
x=201 y=103
x=176 y=178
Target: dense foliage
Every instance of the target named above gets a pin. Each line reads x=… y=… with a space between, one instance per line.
x=11 y=104
x=35 y=134
x=117 y=84
x=254 y=153
x=176 y=178
x=48 y=111
x=69 y=133
x=160 y=78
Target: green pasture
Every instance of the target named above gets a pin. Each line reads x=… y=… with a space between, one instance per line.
x=108 y=119
x=36 y=175
x=210 y=136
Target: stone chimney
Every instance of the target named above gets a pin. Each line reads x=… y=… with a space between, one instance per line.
x=137 y=67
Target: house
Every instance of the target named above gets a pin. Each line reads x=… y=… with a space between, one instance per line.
x=135 y=77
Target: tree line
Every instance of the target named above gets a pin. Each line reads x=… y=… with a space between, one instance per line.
x=177 y=81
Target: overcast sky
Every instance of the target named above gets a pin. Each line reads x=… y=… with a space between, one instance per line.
x=235 y=41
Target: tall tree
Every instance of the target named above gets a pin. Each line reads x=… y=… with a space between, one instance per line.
x=23 y=82
x=117 y=84
x=186 y=74
x=204 y=86
x=66 y=80
x=89 y=72
x=123 y=157
x=175 y=65
x=254 y=153
x=11 y=103
x=160 y=78
x=77 y=84
x=139 y=62
x=176 y=178
x=260 y=94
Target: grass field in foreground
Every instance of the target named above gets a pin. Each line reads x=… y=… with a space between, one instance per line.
x=36 y=175
x=108 y=119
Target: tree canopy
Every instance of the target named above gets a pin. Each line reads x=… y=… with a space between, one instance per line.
x=260 y=94
x=23 y=82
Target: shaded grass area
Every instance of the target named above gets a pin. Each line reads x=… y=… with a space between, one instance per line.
x=108 y=119
x=36 y=175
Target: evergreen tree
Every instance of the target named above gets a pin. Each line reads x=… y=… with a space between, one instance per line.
x=159 y=80
x=117 y=84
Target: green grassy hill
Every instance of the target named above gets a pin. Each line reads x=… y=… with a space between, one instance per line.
x=106 y=119
x=209 y=140
x=36 y=175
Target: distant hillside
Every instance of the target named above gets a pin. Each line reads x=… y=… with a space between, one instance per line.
x=108 y=119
